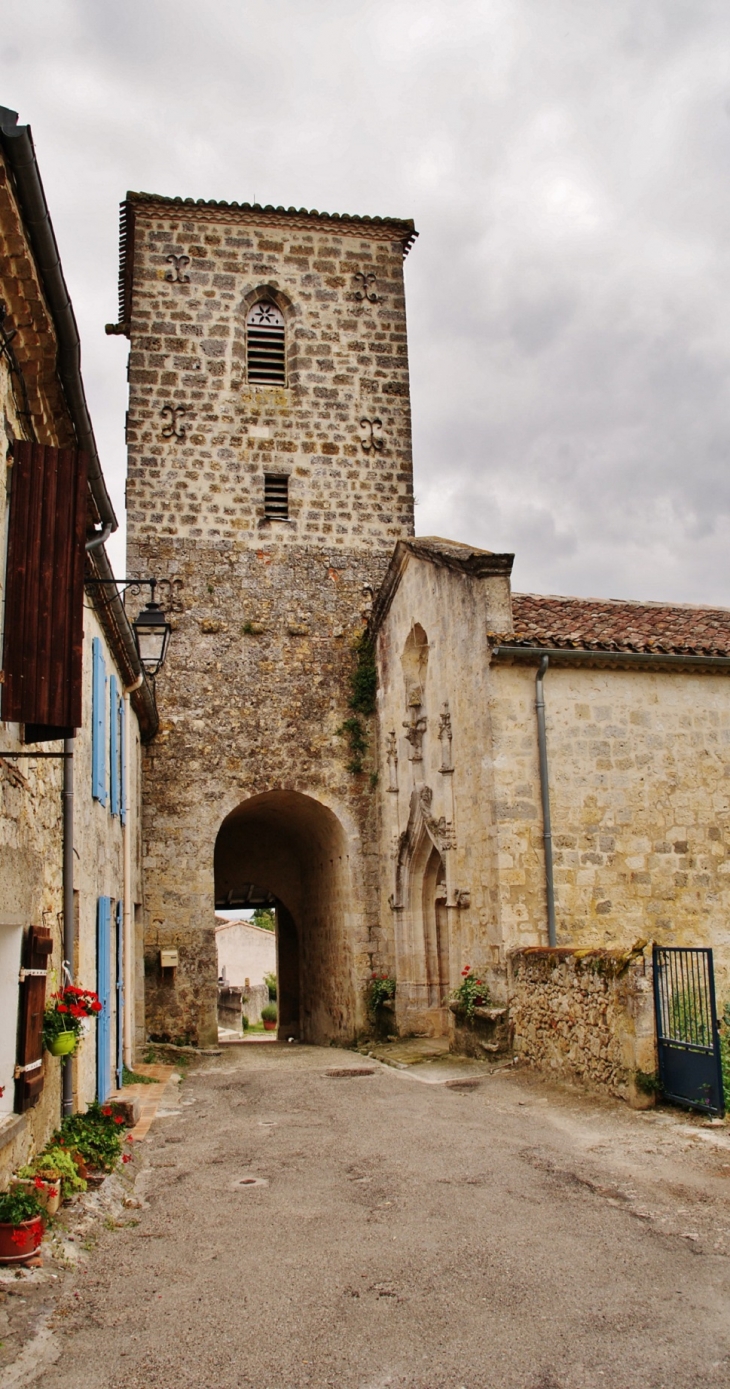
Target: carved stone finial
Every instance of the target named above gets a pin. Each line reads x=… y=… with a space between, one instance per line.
x=415 y=729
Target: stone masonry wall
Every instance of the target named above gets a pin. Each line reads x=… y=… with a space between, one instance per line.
x=265 y=612
x=585 y=1015
x=639 y=767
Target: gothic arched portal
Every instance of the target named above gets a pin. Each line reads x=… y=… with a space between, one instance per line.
x=295 y=848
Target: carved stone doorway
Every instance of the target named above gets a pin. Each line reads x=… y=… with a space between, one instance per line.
x=295 y=849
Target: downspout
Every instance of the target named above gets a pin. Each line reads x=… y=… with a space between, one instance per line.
x=69 y=962
x=127 y=918
x=547 y=836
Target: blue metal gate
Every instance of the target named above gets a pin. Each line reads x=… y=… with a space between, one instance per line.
x=103 y=988
x=688 y=1038
x=120 y=995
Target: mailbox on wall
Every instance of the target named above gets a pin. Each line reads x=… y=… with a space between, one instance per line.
x=169 y=959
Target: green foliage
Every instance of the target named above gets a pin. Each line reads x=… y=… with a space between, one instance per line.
x=687 y=1022
x=364 y=679
x=18 y=1204
x=245 y=1024
x=247 y=629
x=264 y=917
x=95 y=1135
x=135 y=1078
x=52 y=1163
x=354 y=731
x=269 y=1013
x=270 y=982
x=378 y=988
x=472 y=993
x=648 y=1082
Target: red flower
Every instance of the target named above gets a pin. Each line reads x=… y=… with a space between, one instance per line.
x=130 y=1138
x=126 y=1157
x=62 y=1008
x=97 y=1006
x=466 y=970
x=107 y=1110
x=19 y=1236
x=118 y=1119
x=39 y=1184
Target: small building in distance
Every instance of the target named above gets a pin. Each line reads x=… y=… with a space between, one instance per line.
x=246 y=952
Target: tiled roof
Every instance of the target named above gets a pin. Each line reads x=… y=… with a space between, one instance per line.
x=403 y=226
x=614 y=625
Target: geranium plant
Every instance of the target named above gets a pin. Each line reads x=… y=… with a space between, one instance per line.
x=18 y=1204
x=96 y=1135
x=54 y=1164
x=66 y=1010
x=471 y=993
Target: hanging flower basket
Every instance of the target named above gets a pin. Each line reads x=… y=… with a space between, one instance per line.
x=63 y=1019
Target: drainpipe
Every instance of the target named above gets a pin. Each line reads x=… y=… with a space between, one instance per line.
x=68 y=901
x=127 y=918
x=545 y=797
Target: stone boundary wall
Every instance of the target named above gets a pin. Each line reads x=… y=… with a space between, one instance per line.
x=585 y=1015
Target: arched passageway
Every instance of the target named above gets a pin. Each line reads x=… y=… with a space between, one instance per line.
x=295 y=848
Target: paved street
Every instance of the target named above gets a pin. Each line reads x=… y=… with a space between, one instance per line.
x=406 y=1233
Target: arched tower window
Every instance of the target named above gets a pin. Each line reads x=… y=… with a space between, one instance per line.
x=265 y=345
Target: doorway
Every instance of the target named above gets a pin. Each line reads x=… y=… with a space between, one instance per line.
x=292 y=850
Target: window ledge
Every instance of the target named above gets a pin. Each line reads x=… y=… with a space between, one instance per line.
x=11 y=1126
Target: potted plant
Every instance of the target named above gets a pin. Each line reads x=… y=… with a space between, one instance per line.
x=472 y=993
x=21 y=1224
x=64 y=1016
x=268 y=1017
x=56 y=1169
x=94 y=1140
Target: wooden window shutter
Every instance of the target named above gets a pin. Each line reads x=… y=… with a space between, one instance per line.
x=44 y=590
x=123 y=761
x=113 y=746
x=29 y=1070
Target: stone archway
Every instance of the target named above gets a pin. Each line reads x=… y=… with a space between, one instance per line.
x=295 y=848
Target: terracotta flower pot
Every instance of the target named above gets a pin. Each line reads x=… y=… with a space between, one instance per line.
x=269 y=1025
x=63 y=1044
x=20 y=1242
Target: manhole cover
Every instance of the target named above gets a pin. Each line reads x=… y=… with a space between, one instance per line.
x=350 y=1071
x=245 y=1183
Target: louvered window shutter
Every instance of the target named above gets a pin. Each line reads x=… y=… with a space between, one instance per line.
x=265 y=345
x=29 y=1070
x=103 y=989
x=123 y=761
x=113 y=746
x=44 y=593
x=98 y=722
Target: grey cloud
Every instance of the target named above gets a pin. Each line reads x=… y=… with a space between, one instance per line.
x=566 y=166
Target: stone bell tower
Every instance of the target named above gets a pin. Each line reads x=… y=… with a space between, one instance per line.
x=269 y=477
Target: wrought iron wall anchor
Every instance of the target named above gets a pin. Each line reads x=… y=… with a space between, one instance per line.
x=173 y=429
x=372 y=435
x=366 y=279
x=177 y=274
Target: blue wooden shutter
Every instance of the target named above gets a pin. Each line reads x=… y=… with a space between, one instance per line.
x=98 y=722
x=123 y=760
x=103 y=988
x=113 y=746
x=120 y=994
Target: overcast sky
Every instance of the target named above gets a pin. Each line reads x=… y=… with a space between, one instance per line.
x=566 y=163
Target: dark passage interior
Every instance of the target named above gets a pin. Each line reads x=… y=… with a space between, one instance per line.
x=289 y=847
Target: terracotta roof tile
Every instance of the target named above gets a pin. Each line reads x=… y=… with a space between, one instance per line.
x=614 y=625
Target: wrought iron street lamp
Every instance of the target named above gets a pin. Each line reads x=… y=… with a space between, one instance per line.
x=152 y=634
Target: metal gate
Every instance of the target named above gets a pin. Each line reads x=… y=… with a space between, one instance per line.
x=690 y=1065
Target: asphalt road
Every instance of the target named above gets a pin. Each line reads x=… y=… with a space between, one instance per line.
x=407 y=1234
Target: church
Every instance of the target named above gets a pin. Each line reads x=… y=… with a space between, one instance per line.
x=425 y=772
